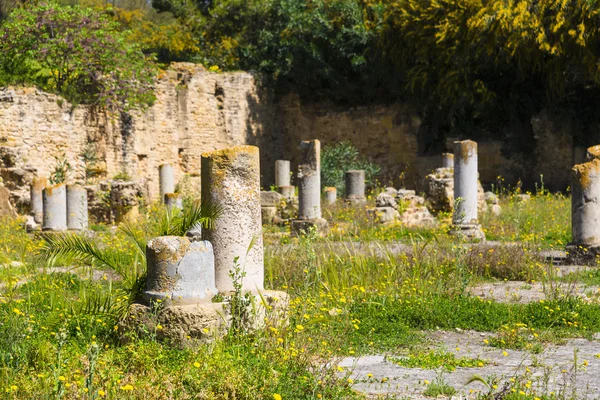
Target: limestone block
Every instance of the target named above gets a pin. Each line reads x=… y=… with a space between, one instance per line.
x=385 y=199
x=270 y=199
x=385 y=215
x=125 y=197
x=188 y=325
x=231 y=181
x=54 y=200
x=405 y=194
x=496 y=209
x=179 y=270
x=269 y=215
x=491 y=198
x=391 y=190
x=8 y=157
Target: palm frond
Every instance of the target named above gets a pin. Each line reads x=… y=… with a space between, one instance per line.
x=139 y=241
x=69 y=247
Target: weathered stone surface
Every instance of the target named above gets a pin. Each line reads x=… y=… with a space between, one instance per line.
x=55 y=208
x=77 y=207
x=282 y=173
x=188 y=325
x=404 y=194
x=355 y=186
x=231 y=180
x=465 y=182
x=330 y=195
x=37 y=206
x=385 y=215
x=8 y=157
x=385 y=199
x=300 y=227
x=496 y=209
x=99 y=202
x=391 y=190
x=195 y=233
x=270 y=215
x=309 y=177
x=439 y=192
x=287 y=191
x=270 y=199
x=416 y=213
x=173 y=201
x=490 y=198
x=125 y=197
x=179 y=271
x=166 y=180
x=6 y=209
x=447 y=160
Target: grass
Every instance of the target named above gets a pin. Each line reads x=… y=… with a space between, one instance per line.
x=362 y=289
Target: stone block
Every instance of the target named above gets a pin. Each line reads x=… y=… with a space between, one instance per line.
x=270 y=199
x=386 y=200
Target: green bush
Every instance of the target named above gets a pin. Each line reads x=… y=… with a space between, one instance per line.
x=76 y=52
x=336 y=160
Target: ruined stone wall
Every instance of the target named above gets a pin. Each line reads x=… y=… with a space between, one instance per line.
x=197 y=111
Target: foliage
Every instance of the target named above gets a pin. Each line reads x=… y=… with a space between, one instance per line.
x=436 y=359
x=342 y=157
x=77 y=52
x=62 y=170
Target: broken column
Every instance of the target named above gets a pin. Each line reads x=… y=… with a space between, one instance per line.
x=287 y=191
x=464 y=218
x=231 y=181
x=179 y=271
x=330 y=195
x=54 y=203
x=37 y=206
x=173 y=201
x=585 y=213
x=309 y=189
x=166 y=180
x=282 y=173
x=77 y=207
x=355 y=187
x=447 y=160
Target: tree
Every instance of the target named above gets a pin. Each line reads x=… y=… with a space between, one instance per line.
x=77 y=52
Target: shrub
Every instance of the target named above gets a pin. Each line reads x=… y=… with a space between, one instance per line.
x=336 y=160
x=76 y=52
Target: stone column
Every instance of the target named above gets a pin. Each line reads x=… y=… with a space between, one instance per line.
x=37 y=206
x=355 y=186
x=330 y=195
x=77 y=207
x=309 y=188
x=180 y=271
x=282 y=173
x=173 y=200
x=465 y=190
x=231 y=181
x=585 y=213
x=166 y=180
x=309 y=175
x=447 y=160
x=287 y=191
x=54 y=199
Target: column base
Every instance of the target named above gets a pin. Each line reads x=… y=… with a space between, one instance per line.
x=470 y=232
x=579 y=254
x=301 y=226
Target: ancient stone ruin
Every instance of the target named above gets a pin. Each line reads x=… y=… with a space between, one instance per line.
x=464 y=219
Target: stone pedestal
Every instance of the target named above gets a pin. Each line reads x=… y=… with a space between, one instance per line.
x=173 y=201
x=77 y=207
x=179 y=271
x=464 y=218
x=355 y=187
x=330 y=195
x=54 y=199
x=309 y=188
x=585 y=213
x=282 y=173
x=231 y=181
x=166 y=180
x=447 y=160
x=37 y=205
